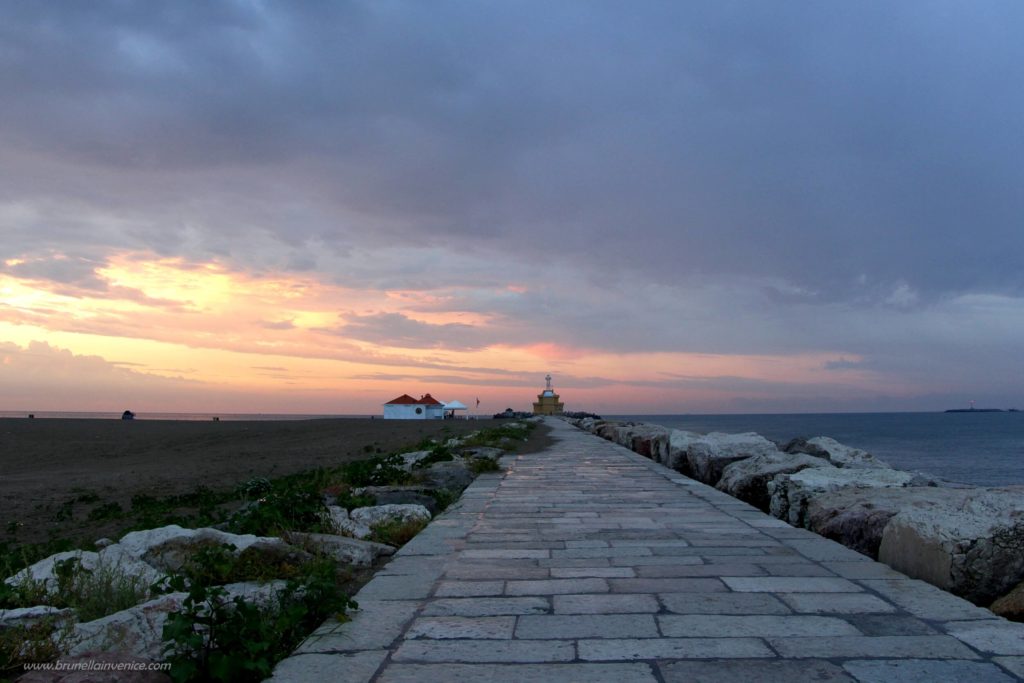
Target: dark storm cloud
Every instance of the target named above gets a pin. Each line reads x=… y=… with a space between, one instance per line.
x=844 y=148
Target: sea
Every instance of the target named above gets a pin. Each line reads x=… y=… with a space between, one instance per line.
x=984 y=449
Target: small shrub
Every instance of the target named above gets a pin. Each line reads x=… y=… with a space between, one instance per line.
x=111 y=510
x=482 y=465
x=21 y=645
x=293 y=509
x=95 y=593
x=397 y=532
x=376 y=471
x=213 y=638
x=437 y=454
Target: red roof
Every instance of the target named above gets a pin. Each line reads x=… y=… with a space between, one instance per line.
x=404 y=399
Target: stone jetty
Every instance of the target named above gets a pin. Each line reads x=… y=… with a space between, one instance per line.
x=590 y=562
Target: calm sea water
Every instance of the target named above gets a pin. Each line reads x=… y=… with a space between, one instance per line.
x=986 y=449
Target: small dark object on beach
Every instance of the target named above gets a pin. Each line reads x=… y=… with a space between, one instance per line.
x=31 y=416
x=127 y=415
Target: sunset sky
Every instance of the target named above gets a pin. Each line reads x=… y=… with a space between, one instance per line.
x=306 y=207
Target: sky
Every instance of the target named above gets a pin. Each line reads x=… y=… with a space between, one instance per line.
x=699 y=207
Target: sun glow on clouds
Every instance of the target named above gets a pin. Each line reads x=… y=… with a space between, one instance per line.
x=285 y=339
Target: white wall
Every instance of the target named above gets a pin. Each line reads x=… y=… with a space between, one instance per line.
x=401 y=411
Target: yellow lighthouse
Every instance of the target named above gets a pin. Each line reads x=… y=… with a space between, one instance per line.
x=547 y=402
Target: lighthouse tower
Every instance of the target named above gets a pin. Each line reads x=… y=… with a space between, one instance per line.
x=547 y=402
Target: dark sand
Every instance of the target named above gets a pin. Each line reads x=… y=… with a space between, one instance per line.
x=44 y=463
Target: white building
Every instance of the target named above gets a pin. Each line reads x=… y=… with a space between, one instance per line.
x=405 y=407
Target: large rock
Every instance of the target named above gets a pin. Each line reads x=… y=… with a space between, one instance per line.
x=382 y=514
x=836 y=453
x=26 y=616
x=483 y=453
x=644 y=439
x=400 y=495
x=974 y=549
x=453 y=475
x=1011 y=605
x=343 y=524
x=45 y=571
x=138 y=631
x=676 y=451
x=712 y=453
x=748 y=479
x=169 y=548
x=856 y=517
x=412 y=459
x=790 y=493
x=341 y=548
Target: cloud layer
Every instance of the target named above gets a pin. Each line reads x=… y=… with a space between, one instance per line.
x=555 y=180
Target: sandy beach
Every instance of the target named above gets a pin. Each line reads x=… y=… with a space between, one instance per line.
x=54 y=472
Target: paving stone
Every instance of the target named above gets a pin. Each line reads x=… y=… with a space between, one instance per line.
x=389 y=587
x=824 y=550
x=462 y=627
x=596 y=572
x=731 y=626
x=580 y=553
x=752 y=671
x=557 y=586
x=889 y=625
x=671 y=648
x=510 y=553
x=494 y=571
x=458 y=589
x=722 y=603
x=593 y=626
x=917 y=670
x=375 y=625
x=998 y=637
x=518 y=651
x=925 y=601
x=358 y=666
x=605 y=603
x=935 y=647
x=842 y=603
x=666 y=585
x=862 y=570
x=697 y=570
x=1014 y=665
x=480 y=607
x=523 y=673
x=782 y=584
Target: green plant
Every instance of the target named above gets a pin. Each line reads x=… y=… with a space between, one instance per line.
x=95 y=593
x=106 y=511
x=482 y=465
x=437 y=454
x=214 y=638
x=376 y=471
x=397 y=532
x=291 y=509
x=21 y=645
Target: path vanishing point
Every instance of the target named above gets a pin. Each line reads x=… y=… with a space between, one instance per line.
x=587 y=562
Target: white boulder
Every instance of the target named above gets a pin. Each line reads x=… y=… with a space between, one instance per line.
x=45 y=571
x=748 y=479
x=343 y=524
x=790 y=493
x=841 y=455
x=709 y=455
x=973 y=547
x=138 y=631
x=379 y=514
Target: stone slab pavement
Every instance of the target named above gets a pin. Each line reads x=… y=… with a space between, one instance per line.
x=587 y=562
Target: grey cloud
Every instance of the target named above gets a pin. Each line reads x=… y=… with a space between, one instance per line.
x=396 y=329
x=811 y=142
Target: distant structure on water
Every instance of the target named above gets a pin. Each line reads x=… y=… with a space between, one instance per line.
x=547 y=402
x=405 y=407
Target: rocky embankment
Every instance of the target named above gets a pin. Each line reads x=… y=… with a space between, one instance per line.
x=967 y=540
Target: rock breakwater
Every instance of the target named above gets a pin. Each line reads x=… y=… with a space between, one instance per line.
x=966 y=540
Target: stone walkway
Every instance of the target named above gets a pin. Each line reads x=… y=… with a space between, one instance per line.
x=590 y=563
